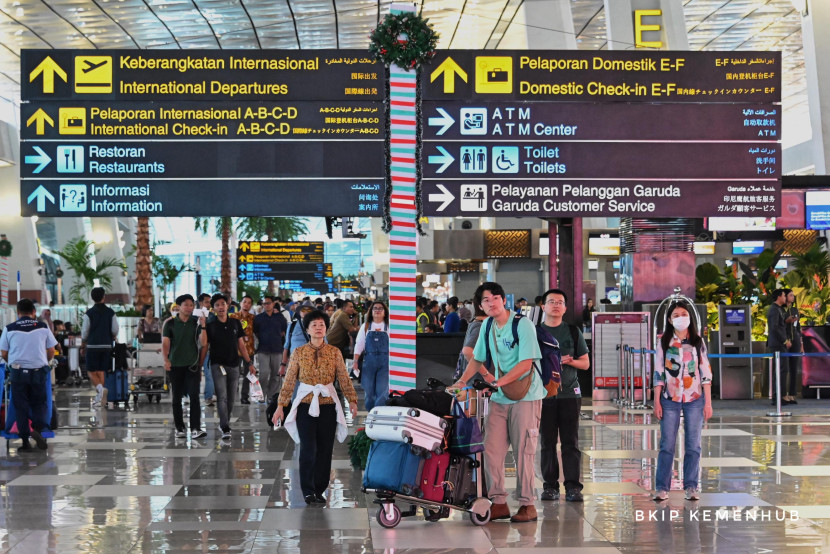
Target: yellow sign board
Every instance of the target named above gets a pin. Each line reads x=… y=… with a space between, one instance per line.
x=93 y=74
x=72 y=121
x=494 y=74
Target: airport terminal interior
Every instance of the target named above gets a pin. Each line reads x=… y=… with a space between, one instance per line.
x=686 y=157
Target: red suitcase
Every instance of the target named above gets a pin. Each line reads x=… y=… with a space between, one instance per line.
x=434 y=476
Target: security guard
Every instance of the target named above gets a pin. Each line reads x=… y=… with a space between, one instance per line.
x=28 y=345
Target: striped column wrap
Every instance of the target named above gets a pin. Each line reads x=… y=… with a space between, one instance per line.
x=4 y=281
x=403 y=236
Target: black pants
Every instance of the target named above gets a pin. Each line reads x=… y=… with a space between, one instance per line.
x=29 y=399
x=316 y=446
x=244 y=370
x=560 y=418
x=184 y=380
x=791 y=366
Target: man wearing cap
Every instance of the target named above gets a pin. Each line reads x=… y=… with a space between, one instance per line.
x=28 y=345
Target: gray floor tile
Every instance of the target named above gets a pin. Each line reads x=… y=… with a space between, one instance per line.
x=210 y=502
x=132 y=490
x=315 y=518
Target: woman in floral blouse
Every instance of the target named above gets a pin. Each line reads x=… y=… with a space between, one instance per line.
x=682 y=382
x=317 y=417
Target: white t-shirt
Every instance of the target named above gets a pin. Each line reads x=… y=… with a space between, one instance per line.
x=360 y=343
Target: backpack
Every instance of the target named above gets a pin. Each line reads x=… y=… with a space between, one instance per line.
x=291 y=333
x=550 y=366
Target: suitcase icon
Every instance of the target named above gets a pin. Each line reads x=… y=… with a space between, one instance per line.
x=497 y=76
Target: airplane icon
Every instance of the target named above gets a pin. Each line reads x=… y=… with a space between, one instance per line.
x=90 y=65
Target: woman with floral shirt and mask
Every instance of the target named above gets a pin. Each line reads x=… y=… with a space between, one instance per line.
x=682 y=382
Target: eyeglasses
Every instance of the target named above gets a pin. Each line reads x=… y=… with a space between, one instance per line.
x=555 y=303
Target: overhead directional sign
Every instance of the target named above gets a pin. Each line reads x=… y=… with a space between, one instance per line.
x=214 y=132
x=578 y=133
x=280 y=252
x=304 y=272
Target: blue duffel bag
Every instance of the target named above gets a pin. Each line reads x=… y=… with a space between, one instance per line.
x=392 y=467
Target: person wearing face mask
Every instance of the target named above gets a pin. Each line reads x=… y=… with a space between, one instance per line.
x=682 y=382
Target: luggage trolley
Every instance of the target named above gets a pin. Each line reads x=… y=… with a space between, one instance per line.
x=148 y=375
x=389 y=514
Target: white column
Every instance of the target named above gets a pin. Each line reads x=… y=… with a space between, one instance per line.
x=106 y=237
x=816 y=46
x=620 y=19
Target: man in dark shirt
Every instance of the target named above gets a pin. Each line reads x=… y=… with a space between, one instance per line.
x=99 y=330
x=560 y=415
x=269 y=328
x=777 y=340
x=341 y=326
x=180 y=347
x=225 y=339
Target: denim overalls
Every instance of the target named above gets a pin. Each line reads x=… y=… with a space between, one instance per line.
x=374 y=372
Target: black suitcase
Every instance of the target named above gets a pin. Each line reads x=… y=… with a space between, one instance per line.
x=461 y=479
x=62 y=370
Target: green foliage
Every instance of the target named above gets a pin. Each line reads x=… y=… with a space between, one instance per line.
x=272 y=228
x=78 y=254
x=812 y=267
x=166 y=271
x=359 y=445
x=251 y=289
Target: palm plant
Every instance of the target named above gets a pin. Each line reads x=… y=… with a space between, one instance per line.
x=82 y=258
x=167 y=272
x=813 y=266
x=224 y=225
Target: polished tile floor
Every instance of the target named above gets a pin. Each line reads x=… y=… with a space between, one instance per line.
x=117 y=481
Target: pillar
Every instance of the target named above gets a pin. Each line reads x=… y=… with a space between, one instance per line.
x=105 y=233
x=816 y=46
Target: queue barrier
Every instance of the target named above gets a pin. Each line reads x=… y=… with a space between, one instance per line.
x=626 y=384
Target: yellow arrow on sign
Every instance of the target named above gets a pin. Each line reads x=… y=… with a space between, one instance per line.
x=449 y=69
x=49 y=68
x=244 y=247
x=40 y=118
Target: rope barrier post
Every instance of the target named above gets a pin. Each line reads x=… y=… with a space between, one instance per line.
x=619 y=399
x=626 y=373
x=778 y=412
x=632 y=397
x=644 y=355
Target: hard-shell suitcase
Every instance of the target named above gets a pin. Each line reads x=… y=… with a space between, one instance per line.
x=434 y=477
x=118 y=389
x=461 y=479
x=408 y=425
x=392 y=466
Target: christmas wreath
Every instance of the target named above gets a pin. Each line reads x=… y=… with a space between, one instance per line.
x=403 y=39
x=5 y=247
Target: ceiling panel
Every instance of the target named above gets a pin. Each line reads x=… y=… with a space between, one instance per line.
x=309 y=24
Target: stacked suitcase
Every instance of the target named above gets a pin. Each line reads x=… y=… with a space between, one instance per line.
x=409 y=457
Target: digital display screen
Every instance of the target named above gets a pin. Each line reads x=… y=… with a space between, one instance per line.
x=704 y=248
x=741 y=224
x=747 y=247
x=817 y=206
x=735 y=316
x=603 y=246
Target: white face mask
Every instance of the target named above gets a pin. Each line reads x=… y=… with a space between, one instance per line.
x=681 y=323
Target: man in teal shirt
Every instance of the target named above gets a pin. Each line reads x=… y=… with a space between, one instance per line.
x=560 y=415
x=509 y=422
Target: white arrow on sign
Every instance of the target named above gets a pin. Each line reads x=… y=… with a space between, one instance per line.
x=41 y=195
x=445 y=121
x=445 y=159
x=42 y=159
x=445 y=196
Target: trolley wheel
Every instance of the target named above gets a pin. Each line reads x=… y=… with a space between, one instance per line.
x=393 y=521
x=478 y=520
x=432 y=515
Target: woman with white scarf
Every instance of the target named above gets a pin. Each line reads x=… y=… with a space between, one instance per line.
x=318 y=417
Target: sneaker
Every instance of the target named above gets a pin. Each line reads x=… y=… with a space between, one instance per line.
x=692 y=494
x=661 y=495
x=198 y=434
x=210 y=401
x=244 y=401
x=96 y=403
x=550 y=494
x=226 y=434
x=25 y=447
x=573 y=495
x=525 y=515
x=39 y=440
x=180 y=434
